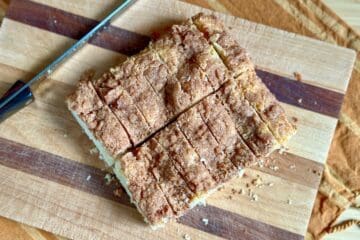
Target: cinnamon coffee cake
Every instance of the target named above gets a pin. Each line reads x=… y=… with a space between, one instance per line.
x=181 y=118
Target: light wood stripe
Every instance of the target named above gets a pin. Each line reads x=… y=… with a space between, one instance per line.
x=271 y=201
x=314 y=134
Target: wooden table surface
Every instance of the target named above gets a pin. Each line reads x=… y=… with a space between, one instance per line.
x=347 y=9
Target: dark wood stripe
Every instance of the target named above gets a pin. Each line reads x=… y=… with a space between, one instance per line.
x=75 y=26
x=313 y=98
x=233 y=226
x=73 y=174
x=58 y=169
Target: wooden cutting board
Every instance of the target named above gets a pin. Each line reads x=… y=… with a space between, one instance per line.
x=50 y=179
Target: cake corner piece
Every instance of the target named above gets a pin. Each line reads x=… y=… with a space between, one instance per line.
x=97 y=120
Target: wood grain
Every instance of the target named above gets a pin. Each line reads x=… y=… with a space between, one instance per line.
x=15 y=54
x=75 y=26
x=271 y=49
x=54 y=137
x=91 y=180
x=314 y=98
x=126 y=42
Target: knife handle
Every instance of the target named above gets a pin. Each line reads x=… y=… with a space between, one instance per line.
x=23 y=99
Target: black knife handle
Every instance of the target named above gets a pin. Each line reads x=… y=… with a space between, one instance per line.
x=23 y=99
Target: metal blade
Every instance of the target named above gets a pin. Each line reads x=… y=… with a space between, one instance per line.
x=68 y=53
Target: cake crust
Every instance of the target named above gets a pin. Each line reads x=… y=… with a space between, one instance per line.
x=224 y=130
x=99 y=119
x=238 y=62
x=187 y=160
x=247 y=122
x=145 y=192
x=210 y=152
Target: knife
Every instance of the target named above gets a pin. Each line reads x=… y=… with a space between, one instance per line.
x=19 y=95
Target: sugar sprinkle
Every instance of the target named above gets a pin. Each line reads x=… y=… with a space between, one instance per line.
x=186 y=237
x=205 y=221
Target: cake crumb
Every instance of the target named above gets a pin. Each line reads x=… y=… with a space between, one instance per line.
x=282 y=150
x=289 y=201
x=241 y=192
x=256 y=182
x=300 y=100
x=295 y=119
x=249 y=192
x=254 y=197
x=261 y=163
x=274 y=168
x=88 y=178
x=297 y=76
x=270 y=184
x=205 y=221
x=118 y=192
x=108 y=178
x=93 y=151
x=233 y=191
x=186 y=237
x=229 y=197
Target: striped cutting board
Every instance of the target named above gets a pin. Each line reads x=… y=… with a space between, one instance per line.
x=49 y=178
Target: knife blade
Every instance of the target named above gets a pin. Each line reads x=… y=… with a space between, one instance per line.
x=16 y=93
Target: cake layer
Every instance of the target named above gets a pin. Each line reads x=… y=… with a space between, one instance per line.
x=266 y=105
x=224 y=130
x=134 y=172
x=187 y=87
x=131 y=79
x=238 y=62
x=187 y=161
x=210 y=152
x=183 y=49
x=247 y=122
x=130 y=116
x=234 y=56
x=168 y=178
x=99 y=122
